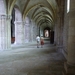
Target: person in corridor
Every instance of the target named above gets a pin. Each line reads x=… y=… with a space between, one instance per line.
x=42 y=41
x=38 y=41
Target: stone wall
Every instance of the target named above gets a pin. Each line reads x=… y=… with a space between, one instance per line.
x=65 y=31
x=59 y=27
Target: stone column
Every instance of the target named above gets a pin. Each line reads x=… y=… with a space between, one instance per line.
x=38 y=31
x=58 y=32
x=56 y=41
x=35 y=32
x=27 y=34
x=70 y=65
x=65 y=30
x=19 y=33
x=5 y=32
x=59 y=27
x=31 y=30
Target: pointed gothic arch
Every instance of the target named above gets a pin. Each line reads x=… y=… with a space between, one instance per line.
x=18 y=26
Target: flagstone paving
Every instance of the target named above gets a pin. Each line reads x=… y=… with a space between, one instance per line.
x=32 y=61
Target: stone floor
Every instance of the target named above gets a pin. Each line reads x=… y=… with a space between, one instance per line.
x=32 y=61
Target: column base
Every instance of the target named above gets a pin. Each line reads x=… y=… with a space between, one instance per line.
x=69 y=69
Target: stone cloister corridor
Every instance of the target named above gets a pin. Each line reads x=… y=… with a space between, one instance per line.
x=32 y=61
x=21 y=21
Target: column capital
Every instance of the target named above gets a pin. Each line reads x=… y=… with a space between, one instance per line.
x=18 y=22
x=5 y=17
x=9 y=17
x=26 y=24
x=23 y=22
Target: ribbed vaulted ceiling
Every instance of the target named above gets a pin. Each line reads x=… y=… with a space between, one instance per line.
x=40 y=11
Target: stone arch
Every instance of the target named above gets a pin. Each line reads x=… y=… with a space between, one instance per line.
x=18 y=14
x=18 y=26
x=13 y=26
x=11 y=6
x=43 y=28
x=46 y=32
